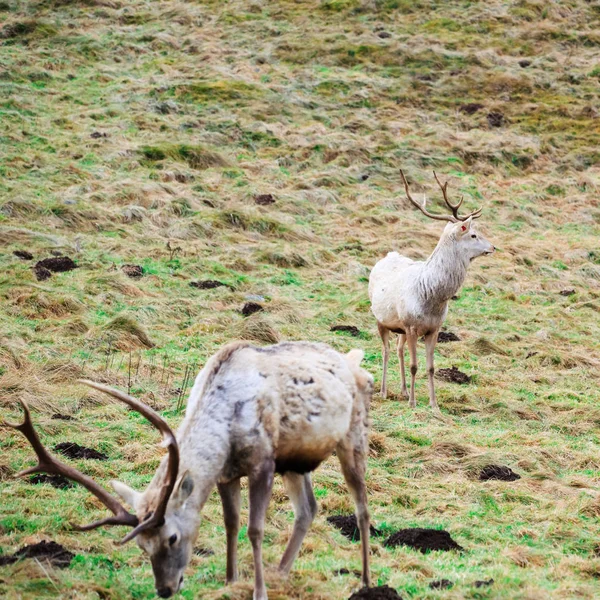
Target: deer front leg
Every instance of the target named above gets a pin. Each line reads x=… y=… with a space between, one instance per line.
x=300 y=492
x=384 y=333
x=260 y=483
x=400 y=348
x=430 y=342
x=230 y=499
x=411 y=339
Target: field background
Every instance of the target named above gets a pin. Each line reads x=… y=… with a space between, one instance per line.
x=141 y=132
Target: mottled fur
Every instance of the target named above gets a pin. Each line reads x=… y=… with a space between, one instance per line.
x=411 y=297
x=251 y=412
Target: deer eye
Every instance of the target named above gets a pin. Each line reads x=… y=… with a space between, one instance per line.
x=172 y=539
x=473 y=236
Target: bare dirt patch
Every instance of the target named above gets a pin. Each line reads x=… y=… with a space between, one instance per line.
x=483 y=583
x=41 y=273
x=422 y=539
x=441 y=584
x=57 y=481
x=447 y=336
x=74 y=451
x=453 y=375
x=471 y=108
x=351 y=329
x=499 y=472
x=208 y=284
x=61 y=417
x=495 y=119
x=133 y=271
x=264 y=199
x=23 y=254
x=383 y=592
x=52 y=552
x=349 y=528
x=57 y=264
x=252 y=307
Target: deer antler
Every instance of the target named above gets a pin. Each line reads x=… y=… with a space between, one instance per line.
x=156 y=518
x=454 y=217
x=49 y=464
x=454 y=207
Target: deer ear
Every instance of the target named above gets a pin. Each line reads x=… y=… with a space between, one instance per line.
x=464 y=226
x=354 y=357
x=183 y=488
x=127 y=494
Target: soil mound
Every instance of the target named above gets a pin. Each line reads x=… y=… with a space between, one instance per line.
x=251 y=307
x=264 y=199
x=56 y=554
x=23 y=254
x=453 y=375
x=351 y=329
x=498 y=472
x=57 y=264
x=208 y=284
x=349 y=528
x=423 y=540
x=383 y=592
x=57 y=481
x=41 y=273
x=447 y=336
x=133 y=271
x=480 y=584
x=73 y=450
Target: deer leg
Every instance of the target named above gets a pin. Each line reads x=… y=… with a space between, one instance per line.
x=230 y=499
x=260 y=483
x=411 y=339
x=430 y=342
x=299 y=489
x=400 y=348
x=385 y=338
x=353 y=462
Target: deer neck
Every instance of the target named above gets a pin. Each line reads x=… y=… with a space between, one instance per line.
x=443 y=273
x=203 y=450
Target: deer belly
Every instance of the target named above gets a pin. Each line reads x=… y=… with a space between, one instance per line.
x=305 y=448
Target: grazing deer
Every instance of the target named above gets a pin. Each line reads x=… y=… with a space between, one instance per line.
x=252 y=412
x=411 y=297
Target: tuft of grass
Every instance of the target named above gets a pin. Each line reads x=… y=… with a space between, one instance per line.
x=196 y=157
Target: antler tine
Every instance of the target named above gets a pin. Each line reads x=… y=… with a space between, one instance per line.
x=421 y=207
x=454 y=207
x=49 y=464
x=169 y=441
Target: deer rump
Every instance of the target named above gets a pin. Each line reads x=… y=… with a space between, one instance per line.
x=295 y=406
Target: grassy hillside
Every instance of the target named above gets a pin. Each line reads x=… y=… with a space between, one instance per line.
x=258 y=143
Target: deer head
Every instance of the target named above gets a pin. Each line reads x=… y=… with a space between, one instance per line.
x=159 y=525
x=460 y=229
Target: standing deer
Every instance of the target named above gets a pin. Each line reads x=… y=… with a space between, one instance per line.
x=252 y=412
x=411 y=297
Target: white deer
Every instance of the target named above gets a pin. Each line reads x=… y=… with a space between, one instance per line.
x=251 y=412
x=411 y=297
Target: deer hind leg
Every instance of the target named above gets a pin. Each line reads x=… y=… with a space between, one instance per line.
x=385 y=338
x=353 y=462
x=260 y=484
x=230 y=499
x=400 y=348
x=430 y=342
x=299 y=489
x=411 y=340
